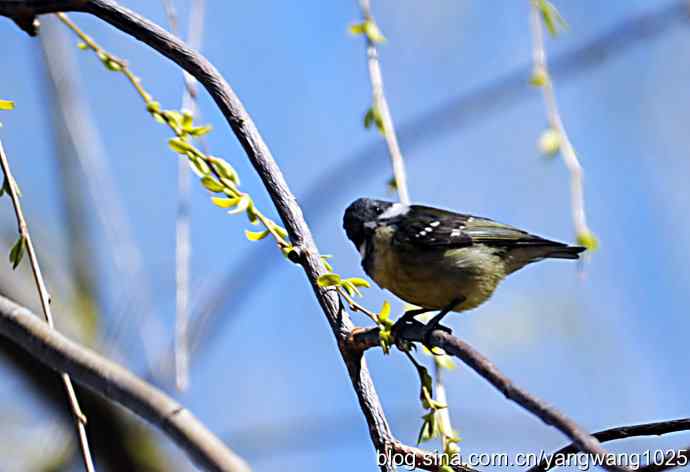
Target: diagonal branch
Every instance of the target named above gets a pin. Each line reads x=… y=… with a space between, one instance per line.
x=647 y=429
x=117 y=384
x=362 y=339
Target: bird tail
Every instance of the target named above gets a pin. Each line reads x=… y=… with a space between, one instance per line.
x=567 y=252
x=528 y=254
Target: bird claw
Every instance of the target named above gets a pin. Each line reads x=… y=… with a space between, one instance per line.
x=422 y=331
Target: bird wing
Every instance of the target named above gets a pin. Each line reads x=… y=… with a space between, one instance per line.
x=441 y=229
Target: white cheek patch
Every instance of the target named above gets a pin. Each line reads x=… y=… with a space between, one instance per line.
x=363 y=249
x=397 y=209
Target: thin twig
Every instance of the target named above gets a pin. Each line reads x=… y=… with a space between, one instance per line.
x=117 y=384
x=79 y=417
x=381 y=106
x=577 y=199
x=622 y=432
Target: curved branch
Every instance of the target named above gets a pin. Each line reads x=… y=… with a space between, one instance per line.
x=362 y=339
x=647 y=429
x=116 y=383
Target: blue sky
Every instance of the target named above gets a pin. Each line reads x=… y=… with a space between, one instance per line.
x=605 y=342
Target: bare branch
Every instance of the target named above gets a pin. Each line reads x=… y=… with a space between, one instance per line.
x=362 y=339
x=25 y=240
x=116 y=383
x=623 y=432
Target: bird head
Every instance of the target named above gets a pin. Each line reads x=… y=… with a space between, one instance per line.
x=363 y=216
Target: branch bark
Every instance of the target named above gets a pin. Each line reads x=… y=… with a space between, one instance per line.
x=116 y=383
x=363 y=339
x=648 y=429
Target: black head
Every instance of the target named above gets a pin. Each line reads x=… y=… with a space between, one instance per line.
x=360 y=212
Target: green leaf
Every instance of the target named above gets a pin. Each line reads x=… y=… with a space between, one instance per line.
x=17 y=252
x=153 y=106
x=329 y=280
x=198 y=165
x=373 y=32
x=83 y=46
x=252 y=215
x=6 y=105
x=553 y=20
x=373 y=116
x=5 y=189
x=187 y=120
x=326 y=264
x=244 y=203
x=256 y=235
x=359 y=282
x=357 y=28
x=224 y=169
x=385 y=314
x=588 y=240
x=112 y=65
x=198 y=131
x=211 y=184
x=226 y=202
x=351 y=289
x=428 y=427
x=549 y=142
x=181 y=146
x=539 y=77
x=282 y=232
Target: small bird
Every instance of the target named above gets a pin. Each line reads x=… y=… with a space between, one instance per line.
x=441 y=260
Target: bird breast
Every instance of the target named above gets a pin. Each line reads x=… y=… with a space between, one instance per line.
x=434 y=278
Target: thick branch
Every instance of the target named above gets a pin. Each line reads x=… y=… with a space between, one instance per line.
x=648 y=429
x=362 y=339
x=114 y=382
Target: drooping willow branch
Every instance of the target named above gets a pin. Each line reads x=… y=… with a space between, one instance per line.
x=25 y=243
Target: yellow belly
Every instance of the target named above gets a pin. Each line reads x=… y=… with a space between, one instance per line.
x=433 y=280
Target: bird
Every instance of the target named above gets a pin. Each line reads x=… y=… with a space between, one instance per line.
x=441 y=260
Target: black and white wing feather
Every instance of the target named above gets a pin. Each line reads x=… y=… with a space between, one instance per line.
x=433 y=228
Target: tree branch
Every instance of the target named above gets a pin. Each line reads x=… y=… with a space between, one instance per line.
x=116 y=383
x=43 y=295
x=362 y=339
x=647 y=429
x=305 y=252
